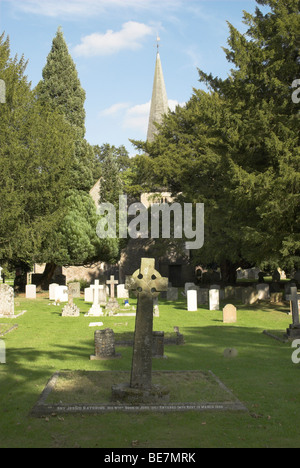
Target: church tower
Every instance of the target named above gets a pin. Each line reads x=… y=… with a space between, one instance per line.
x=159 y=101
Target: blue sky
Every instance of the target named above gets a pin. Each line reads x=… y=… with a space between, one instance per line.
x=113 y=44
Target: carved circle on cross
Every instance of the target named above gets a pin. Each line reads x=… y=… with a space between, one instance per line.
x=147 y=280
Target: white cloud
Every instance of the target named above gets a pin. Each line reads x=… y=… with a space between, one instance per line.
x=114 y=109
x=135 y=118
x=129 y=37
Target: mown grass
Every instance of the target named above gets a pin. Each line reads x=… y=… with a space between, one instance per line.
x=262 y=376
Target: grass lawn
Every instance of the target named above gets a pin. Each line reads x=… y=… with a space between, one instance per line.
x=262 y=376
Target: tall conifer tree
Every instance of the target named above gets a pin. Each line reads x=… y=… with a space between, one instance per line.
x=61 y=88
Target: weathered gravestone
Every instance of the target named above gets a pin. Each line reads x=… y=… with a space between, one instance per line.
x=202 y=296
x=7 y=305
x=0 y=273
x=30 y=291
x=229 y=314
x=74 y=289
x=112 y=303
x=294 y=329
x=187 y=286
x=158 y=344
x=249 y=295
x=104 y=345
x=70 y=310
x=146 y=283
x=172 y=294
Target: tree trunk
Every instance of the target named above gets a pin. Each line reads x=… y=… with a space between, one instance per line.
x=45 y=279
x=228 y=272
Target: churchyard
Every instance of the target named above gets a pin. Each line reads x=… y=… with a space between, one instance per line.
x=228 y=370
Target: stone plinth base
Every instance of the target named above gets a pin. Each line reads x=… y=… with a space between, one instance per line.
x=125 y=394
x=293 y=331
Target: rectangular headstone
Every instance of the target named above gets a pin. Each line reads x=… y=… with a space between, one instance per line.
x=122 y=293
x=30 y=291
x=202 y=296
x=192 y=300
x=61 y=294
x=52 y=288
x=88 y=295
x=214 y=299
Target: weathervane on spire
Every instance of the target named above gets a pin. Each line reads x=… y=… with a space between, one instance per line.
x=157 y=42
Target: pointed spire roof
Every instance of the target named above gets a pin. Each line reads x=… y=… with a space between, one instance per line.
x=159 y=101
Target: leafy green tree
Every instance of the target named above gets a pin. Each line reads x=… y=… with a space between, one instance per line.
x=35 y=152
x=236 y=148
x=263 y=135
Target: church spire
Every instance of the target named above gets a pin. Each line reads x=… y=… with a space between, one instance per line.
x=159 y=101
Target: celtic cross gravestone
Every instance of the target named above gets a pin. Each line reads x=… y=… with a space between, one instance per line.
x=146 y=283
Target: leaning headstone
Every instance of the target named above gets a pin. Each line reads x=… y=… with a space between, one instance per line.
x=122 y=293
x=214 y=299
x=192 y=300
x=2 y=352
x=104 y=345
x=52 y=288
x=74 y=289
x=294 y=329
x=146 y=283
x=30 y=291
x=7 y=304
x=70 y=310
x=61 y=294
x=229 y=314
x=263 y=292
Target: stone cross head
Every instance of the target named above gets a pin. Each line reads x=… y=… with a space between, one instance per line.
x=147 y=280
